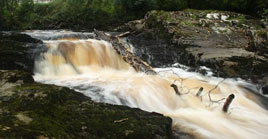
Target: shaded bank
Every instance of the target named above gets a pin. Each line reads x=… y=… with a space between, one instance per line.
x=18 y=51
x=106 y=14
x=232 y=44
x=33 y=110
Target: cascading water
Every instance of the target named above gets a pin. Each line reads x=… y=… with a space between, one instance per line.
x=93 y=68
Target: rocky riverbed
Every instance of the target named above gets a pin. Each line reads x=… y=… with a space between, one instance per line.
x=33 y=110
x=232 y=44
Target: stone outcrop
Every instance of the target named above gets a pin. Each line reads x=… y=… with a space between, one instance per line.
x=33 y=110
x=122 y=49
x=232 y=44
x=18 y=51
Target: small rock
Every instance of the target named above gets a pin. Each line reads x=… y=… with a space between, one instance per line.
x=203 y=71
x=6 y=128
x=264 y=90
x=24 y=118
x=6 y=99
x=127 y=132
x=84 y=127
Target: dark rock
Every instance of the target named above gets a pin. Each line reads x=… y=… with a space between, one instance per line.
x=18 y=51
x=204 y=38
x=265 y=90
x=15 y=76
x=33 y=110
x=182 y=135
x=120 y=47
x=5 y=99
x=15 y=36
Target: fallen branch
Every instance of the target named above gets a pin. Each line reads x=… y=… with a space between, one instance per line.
x=199 y=91
x=228 y=102
x=123 y=34
x=175 y=89
x=218 y=101
x=119 y=46
x=119 y=121
x=213 y=89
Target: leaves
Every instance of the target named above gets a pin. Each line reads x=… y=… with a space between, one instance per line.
x=89 y=14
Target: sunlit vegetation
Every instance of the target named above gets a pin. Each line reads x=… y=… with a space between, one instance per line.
x=104 y=14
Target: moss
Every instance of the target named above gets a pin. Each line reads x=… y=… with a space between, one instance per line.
x=240 y=18
x=200 y=13
x=262 y=33
x=249 y=66
x=156 y=20
x=15 y=52
x=62 y=113
x=15 y=75
x=18 y=38
x=166 y=25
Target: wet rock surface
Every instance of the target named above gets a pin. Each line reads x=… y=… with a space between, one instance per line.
x=18 y=51
x=232 y=44
x=120 y=47
x=33 y=110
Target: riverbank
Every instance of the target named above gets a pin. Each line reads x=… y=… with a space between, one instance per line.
x=33 y=110
x=232 y=44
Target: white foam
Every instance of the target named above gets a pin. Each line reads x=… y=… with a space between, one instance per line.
x=196 y=115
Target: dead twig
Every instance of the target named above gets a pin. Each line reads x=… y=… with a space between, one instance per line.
x=213 y=89
x=119 y=121
x=189 y=91
x=123 y=34
x=218 y=101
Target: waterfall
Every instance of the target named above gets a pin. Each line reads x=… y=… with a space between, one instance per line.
x=93 y=68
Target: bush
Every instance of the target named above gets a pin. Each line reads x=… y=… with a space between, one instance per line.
x=89 y=14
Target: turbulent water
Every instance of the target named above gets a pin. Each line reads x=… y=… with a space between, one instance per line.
x=93 y=68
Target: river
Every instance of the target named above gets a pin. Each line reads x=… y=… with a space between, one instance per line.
x=93 y=67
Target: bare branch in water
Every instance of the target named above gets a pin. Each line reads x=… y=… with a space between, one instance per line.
x=199 y=91
x=228 y=102
x=213 y=89
x=175 y=89
x=218 y=101
x=189 y=91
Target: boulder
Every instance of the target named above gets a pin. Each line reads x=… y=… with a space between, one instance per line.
x=232 y=44
x=33 y=110
x=264 y=90
x=18 y=51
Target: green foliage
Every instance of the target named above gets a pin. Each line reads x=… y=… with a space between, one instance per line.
x=89 y=14
x=172 y=5
x=263 y=13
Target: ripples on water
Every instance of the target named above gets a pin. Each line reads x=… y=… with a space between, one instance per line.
x=93 y=68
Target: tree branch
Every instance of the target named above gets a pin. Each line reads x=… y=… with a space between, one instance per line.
x=228 y=102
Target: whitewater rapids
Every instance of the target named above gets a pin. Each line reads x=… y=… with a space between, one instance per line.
x=93 y=68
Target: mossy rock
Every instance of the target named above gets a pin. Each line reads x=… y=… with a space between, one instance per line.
x=15 y=36
x=204 y=38
x=38 y=111
x=16 y=75
x=16 y=52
